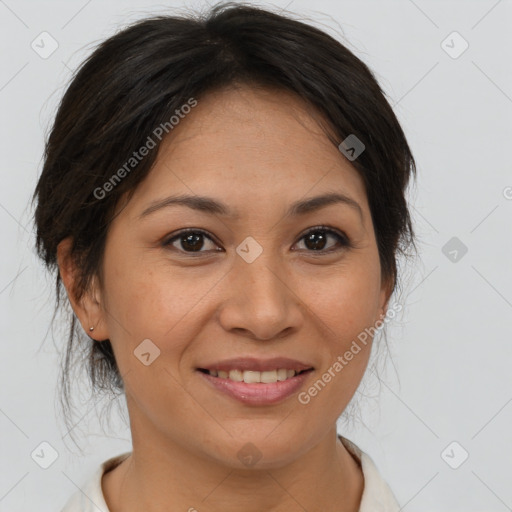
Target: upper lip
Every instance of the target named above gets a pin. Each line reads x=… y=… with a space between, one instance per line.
x=257 y=365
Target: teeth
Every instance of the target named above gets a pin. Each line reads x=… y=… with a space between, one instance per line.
x=251 y=377
x=236 y=375
x=282 y=374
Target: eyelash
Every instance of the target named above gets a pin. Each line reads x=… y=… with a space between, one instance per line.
x=342 y=239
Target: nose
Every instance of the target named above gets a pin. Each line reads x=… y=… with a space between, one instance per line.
x=260 y=301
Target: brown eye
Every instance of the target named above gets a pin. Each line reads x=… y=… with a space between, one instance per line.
x=194 y=241
x=189 y=241
x=316 y=239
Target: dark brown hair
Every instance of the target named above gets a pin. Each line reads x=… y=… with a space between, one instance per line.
x=137 y=79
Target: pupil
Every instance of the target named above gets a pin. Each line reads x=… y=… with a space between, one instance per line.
x=314 y=241
x=317 y=240
x=192 y=241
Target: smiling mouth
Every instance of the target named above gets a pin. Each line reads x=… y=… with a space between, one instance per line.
x=255 y=377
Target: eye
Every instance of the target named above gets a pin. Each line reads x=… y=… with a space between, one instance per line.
x=189 y=241
x=316 y=239
x=193 y=240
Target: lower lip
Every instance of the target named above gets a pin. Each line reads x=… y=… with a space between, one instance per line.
x=258 y=393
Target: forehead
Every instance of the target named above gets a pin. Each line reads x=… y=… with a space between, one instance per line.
x=236 y=123
x=250 y=145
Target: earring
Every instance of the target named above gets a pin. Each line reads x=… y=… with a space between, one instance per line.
x=91 y=328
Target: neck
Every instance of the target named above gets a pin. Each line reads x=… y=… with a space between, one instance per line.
x=326 y=478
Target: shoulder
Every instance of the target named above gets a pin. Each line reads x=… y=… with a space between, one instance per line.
x=376 y=494
x=89 y=498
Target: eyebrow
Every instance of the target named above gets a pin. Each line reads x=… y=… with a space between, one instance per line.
x=213 y=207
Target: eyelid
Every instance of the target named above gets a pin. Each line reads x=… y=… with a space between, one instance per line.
x=343 y=239
x=167 y=241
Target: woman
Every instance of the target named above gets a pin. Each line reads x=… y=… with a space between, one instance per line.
x=223 y=202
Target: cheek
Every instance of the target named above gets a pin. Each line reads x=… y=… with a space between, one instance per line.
x=344 y=318
x=345 y=302
x=345 y=306
x=151 y=299
x=142 y=295
x=148 y=302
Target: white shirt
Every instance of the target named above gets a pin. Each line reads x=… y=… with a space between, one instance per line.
x=377 y=496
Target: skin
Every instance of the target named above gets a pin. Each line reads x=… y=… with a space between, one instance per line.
x=257 y=151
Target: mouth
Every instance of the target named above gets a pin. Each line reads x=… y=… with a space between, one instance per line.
x=255 y=377
x=256 y=388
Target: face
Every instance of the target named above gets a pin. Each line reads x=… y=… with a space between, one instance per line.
x=254 y=279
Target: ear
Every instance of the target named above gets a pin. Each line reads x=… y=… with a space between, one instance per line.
x=385 y=294
x=88 y=308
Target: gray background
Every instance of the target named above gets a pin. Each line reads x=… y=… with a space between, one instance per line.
x=448 y=378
